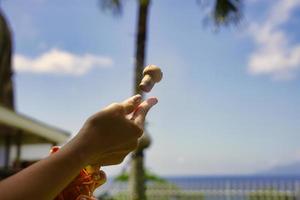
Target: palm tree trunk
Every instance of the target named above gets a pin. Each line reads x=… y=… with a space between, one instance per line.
x=6 y=83
x=6 y=73
x=141 y=39
x=137 y=176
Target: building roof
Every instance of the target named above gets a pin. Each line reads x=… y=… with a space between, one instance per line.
x=33 y=130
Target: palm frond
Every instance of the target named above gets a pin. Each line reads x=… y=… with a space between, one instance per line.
x=114 y=6
x=227 y=11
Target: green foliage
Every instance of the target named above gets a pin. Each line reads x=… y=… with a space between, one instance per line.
x=154 y=178
x=123 y=177
x=227 y=11
x=224 y=12
x=270 y=195
x=151 y=177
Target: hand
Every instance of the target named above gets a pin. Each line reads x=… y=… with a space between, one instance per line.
x=109 y=135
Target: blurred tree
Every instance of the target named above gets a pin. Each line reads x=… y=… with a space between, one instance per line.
x=224 y=12
x=6 y=71
x=6 y=82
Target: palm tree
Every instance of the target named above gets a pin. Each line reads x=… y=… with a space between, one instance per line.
x=6 y=82
x=224 y=12
x=6 y=72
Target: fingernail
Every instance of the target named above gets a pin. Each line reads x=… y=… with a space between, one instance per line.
x=152 y=101
x=137 y=98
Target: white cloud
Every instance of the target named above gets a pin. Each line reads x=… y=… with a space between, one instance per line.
x=57 y=61
x=274 y=54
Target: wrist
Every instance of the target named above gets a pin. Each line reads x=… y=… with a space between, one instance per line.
x=74 y=156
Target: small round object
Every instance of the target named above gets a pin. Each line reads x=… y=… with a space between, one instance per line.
x=152 y=74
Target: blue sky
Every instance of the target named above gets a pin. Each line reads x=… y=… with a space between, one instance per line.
x=229 y=101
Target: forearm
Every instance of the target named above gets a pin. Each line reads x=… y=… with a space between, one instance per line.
x=43 y=180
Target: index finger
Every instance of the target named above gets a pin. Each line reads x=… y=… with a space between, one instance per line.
x=126 y=107
x=140 y=113
x=131 y=103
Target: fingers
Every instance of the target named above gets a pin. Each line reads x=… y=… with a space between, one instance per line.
x=102 y=179
x=140 y=113
x=131 y=103
x=126 y=107
x=99 y=176
x=129 y=146
x=117 y=155
x=113 y=158
x=125 y=146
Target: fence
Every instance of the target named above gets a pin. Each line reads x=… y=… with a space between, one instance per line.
x=215 y=188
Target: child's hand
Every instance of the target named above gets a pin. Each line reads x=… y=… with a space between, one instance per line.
x=109 y=135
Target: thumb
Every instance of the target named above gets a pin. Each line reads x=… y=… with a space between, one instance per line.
x=140 y=113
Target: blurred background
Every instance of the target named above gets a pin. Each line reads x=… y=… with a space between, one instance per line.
x=228 y=117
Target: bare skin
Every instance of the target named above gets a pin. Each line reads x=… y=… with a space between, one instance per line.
x=105 y=139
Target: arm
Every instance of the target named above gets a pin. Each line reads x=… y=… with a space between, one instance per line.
x=44 y=179
x=105 y=139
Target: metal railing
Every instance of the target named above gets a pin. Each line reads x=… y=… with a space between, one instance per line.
x=215 y=188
